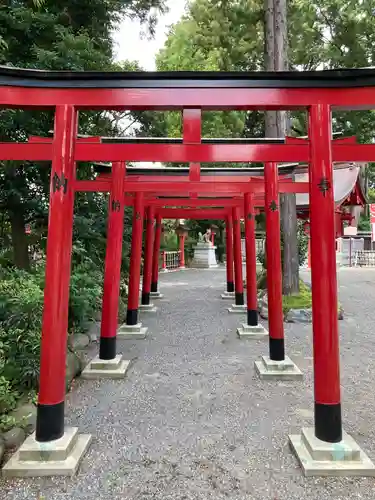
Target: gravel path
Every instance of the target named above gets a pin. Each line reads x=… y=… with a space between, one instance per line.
x=191 y=420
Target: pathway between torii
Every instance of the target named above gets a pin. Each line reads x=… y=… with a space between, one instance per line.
x=192 y=421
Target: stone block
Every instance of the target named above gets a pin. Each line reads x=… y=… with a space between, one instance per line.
x=156 y=295
x=55 y=458
x=227 y=295
x=78 y=341
x=147 y=308
x=106 y=368
x=134 y=332
x=279 y=370
x=26 y=415
x=252 y=332
x=204 y=256
x=237 y=309
x=299 y=316
x=14 y=438
x=73 y=368
x=318 y=458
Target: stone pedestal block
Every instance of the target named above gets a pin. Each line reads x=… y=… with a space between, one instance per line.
x=237 y=309
x=134 y=332
x=252 y=332
x=228 y=296
x=156 y=295
x=55 y=458
x=204 y=256
x=279 y=370
x=147 y=308
x=318 y=458
x=106 y=368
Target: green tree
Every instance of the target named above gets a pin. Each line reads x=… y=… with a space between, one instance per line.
x=229 y=35
x=41 y=34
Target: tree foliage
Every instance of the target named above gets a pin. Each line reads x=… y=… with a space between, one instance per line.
x=43 y=34
x=229 y=36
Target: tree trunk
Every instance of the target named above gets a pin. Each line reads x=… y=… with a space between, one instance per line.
x=276 y=126
x=19 y=239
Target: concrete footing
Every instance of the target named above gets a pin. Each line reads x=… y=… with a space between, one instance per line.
x=156 y=295
x=237 y=309
x=227 y=295
x=147 y=308
x=55 y=458
x=252 y=332
x=318 y=458
x=127 y=332
x=106 y=368
x=281 y=370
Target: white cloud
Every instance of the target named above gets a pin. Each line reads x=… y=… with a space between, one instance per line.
x=130 y=45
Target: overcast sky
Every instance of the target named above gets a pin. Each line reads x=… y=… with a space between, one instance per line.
x=131 y=46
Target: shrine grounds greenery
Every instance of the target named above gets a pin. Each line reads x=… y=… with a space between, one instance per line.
x=21 y=305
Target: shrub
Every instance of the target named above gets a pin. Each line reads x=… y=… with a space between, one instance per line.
x=302 y=241
x=86 y=286
x=220 y=251
x=21 y=306
x=8 y=398
x=21 y=353
x=169 y=242
x=21 y=303
x=189 y=248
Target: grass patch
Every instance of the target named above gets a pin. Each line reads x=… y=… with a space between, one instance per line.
x=301 y=301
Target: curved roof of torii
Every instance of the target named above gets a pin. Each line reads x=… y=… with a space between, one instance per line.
x=345 y=179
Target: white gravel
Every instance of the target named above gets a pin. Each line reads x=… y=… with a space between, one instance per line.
x=192 y=421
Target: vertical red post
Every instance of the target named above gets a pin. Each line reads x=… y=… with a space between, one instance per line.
x=149 y=246
x=328 y=426
x=66 y=252
x=213 y=238
x=135 y=260
x=238 y=279
x=50 y=411
x=273 y=259
x=229 y=245
x=164 y=265
x=251 y=260
x=112 y=268
x=308 y=252
x=182 y=251
x=155 y=261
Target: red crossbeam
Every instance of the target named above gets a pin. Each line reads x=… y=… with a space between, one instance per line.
x=179 y=98
x=203 y=187
x=186 y=153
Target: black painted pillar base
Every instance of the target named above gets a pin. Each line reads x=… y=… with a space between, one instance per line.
x=132 y=317
x=145 y=298
x=107 y=348
x=328 y=425
x=154 y=287
x=252 y=317
x=230 y=286
x=239 y=299
x=49 y=422
x=277 y=349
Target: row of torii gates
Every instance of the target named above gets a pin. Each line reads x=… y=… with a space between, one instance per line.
x=233 y=196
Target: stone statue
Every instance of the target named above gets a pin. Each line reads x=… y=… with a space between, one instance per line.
x=207 y=236
x=200 y=237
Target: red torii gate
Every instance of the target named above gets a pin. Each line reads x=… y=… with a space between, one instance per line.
x=67 y=92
